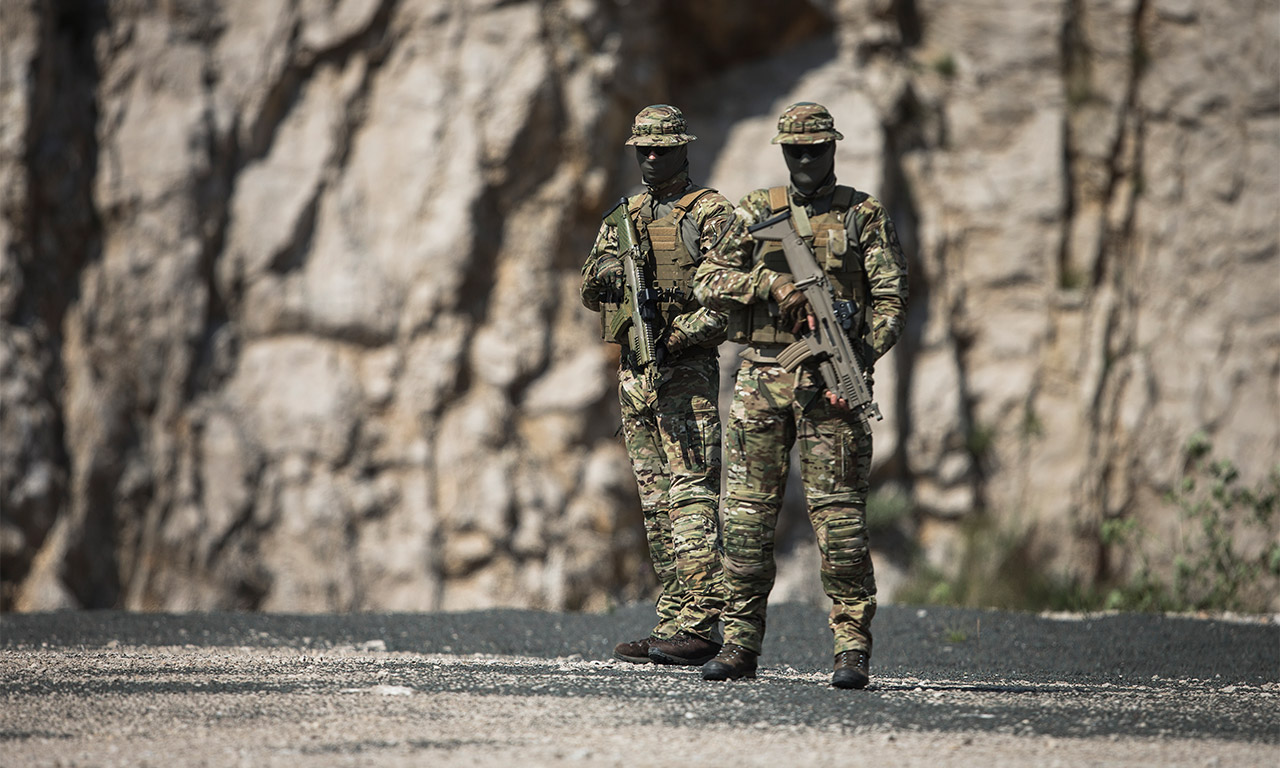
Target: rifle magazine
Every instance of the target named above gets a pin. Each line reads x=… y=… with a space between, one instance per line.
x=794 y=354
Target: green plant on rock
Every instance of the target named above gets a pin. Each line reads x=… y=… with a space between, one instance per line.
x=1140 y=592
x=980 y=441
x=995 y=572
x=1226 y=558
x=1211 y=570
x=1216 y=514
x=945 y=65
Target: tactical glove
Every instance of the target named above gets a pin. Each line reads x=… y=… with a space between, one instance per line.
x=675 y=342
x=610 y=275
x=792 y=304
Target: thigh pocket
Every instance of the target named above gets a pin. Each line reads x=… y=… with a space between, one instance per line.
x=758 y=459
x=692 y=432
x=704 y=437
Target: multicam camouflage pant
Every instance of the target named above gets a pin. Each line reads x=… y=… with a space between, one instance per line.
x=771 y=410
x=673 y=437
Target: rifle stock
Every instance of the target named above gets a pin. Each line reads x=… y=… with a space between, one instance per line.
x=828 y=344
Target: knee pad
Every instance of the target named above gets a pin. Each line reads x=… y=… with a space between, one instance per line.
x=844 y=545
x=748 y=546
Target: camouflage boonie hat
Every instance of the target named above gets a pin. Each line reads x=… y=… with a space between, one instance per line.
x=806 y=123
x=660 y=125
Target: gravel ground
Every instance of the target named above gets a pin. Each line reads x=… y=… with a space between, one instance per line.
x=496 y=688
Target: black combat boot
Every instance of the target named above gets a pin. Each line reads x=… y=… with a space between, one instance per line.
x=851 y=670
x=636 y=651
x=683 y=649
x=733 y=662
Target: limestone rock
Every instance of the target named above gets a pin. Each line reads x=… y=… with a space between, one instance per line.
x=288 y=292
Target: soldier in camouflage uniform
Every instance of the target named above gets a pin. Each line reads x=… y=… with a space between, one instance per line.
x=669 y=410
x=853 y=239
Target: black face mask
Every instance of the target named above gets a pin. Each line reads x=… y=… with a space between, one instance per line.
x=811 y=165
x=664 y=163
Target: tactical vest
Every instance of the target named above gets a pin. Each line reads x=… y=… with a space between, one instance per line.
x=668 y=263
x=835 y=249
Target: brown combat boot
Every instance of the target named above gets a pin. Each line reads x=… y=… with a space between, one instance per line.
x=852 y=670
x=732 y=663
x=682 y=649
x=636 y=651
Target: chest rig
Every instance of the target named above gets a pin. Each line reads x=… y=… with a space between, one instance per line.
x=834 y=248
x=668 y=262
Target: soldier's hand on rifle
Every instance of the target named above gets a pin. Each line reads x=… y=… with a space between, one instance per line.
x=792 y=304
x=671 y=345
x=832 y=397
x=610 y=275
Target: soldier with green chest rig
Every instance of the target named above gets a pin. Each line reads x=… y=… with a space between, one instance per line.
x=638 y=277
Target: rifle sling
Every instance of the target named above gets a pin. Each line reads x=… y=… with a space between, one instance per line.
x=800 y=220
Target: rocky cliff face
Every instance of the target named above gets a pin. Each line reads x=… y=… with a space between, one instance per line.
x=288 y=292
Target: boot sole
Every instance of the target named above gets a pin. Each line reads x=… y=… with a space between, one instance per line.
x=728 y=676
x=658 y=657
x=855 y=682
x=632 y=659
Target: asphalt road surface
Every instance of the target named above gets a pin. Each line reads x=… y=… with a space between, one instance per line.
x=507 y=688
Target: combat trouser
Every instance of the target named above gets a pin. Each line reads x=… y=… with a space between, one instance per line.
x=672 y=433
x=772 y=409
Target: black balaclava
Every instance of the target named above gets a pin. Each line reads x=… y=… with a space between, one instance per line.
x=812 y=165
x=666 y=163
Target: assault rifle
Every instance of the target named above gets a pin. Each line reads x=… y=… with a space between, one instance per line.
x=828 y=343
x=642 y=300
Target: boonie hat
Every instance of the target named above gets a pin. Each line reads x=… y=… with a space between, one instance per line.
x=806 y=123
x=660 y=125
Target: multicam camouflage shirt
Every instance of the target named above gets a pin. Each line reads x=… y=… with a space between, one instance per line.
x=709 y=218
x=729 y=279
